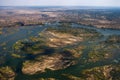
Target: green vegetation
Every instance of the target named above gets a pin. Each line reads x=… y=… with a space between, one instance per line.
x=113 y=39
x=18 y=45
x=15 y=55
x=99 y=53
x=50 y=44
x=63 y=51
x=97 y=73
x=6 y=73
x=79 y=32
x=72 y=77
x=46 y=79
x=102 y=73
x=1 y=31
x=76 y=51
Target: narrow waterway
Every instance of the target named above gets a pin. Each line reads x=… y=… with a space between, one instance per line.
x=11 y=35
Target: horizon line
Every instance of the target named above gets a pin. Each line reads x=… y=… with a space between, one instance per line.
x=53 y=6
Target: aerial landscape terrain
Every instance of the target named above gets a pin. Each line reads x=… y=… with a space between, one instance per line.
x=59 y=43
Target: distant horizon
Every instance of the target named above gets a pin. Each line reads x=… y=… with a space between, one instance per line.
x=66 y=7
x=102 y=3
x=56 y=6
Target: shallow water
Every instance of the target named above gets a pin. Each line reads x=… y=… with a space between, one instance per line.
x=105 y=32
x=11 y=35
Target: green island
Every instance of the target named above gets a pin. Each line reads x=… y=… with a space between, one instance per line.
x=59 y=43
x=58 y=49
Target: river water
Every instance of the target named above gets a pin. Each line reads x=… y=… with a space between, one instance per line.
x=13 y=34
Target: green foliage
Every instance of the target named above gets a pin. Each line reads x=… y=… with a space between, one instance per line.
x=80 y=32
x=16 y=55
x=1 y=31
x=113 y=39
x=72 y=77
x=6 y=73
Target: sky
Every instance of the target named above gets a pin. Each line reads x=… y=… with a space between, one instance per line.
x=60 y=3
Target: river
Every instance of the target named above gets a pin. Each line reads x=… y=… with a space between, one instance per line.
x=13 y=34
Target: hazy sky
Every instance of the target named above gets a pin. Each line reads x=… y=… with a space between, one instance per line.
x=59 y=2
